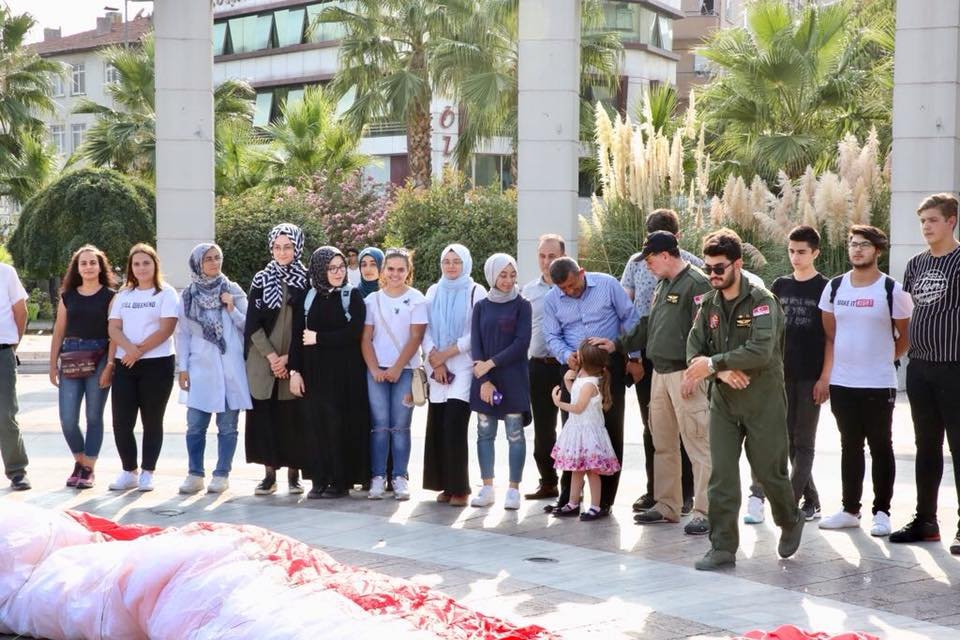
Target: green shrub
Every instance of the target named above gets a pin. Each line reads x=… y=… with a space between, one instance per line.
x=42 y=301
x=426 y=220
x=97 y=206
x=244 y=221
x=5 y=256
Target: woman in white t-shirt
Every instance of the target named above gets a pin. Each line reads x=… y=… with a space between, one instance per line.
x=450 y=369
x=143 y=317
x=396 y=320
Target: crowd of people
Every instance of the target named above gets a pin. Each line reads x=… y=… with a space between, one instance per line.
x=329 y=359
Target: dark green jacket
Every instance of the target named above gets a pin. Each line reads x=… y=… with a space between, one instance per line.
x=663 y=333
x=749 y=338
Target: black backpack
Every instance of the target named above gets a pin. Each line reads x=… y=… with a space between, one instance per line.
x=888 y=284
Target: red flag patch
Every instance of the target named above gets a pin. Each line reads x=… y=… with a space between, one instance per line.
x=762 y=310
x=698 y=299
x=714 y=321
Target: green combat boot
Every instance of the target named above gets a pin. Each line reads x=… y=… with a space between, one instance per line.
x=715 y=559
x=790 y=538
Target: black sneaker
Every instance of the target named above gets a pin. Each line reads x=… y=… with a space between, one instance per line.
x=19 y=482
x=687 y=507
x=810 y=511
x=267 y=486
x=652 y=516
x=917 y=530
x=643 y=503
x=955 y=547
x=316 y=492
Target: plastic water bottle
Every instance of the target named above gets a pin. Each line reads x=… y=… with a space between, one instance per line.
x=497 y=397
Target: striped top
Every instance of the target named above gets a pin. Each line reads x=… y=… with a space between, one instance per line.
x=603 y=310
x=934 y=283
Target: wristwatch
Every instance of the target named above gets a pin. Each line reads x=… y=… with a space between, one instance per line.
x=711 y=367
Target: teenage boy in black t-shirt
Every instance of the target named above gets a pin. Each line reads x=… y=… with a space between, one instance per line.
x=803 y=366
x=933 y=374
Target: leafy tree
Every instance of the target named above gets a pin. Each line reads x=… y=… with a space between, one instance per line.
x=33 y=167
x=308 y=139
x=387 y=58
x=98 y=206
x=238 y=164
x=124 y=138
x=243 y=222
x=483 y=219
x=793 y=82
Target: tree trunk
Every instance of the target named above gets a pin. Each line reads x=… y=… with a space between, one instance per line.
x=418 y=144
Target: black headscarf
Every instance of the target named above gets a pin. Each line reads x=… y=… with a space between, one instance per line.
x=319 y=261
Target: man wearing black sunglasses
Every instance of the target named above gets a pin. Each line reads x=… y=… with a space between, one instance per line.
x=737 y=342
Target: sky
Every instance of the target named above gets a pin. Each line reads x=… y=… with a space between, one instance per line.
x=72 y=16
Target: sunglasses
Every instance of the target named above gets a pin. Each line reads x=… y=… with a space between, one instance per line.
x=718 y=269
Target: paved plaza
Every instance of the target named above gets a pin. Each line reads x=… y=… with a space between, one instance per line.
x=605 y=579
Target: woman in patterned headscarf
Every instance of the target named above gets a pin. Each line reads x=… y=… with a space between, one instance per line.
x=209 y=341
x=273 y=432
x=328 y=371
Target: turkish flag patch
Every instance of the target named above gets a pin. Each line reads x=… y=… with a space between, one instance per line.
x=698 y=299
x=762 y=310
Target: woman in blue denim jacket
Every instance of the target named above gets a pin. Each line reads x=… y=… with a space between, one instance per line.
x=213 y=377
x=81 y=325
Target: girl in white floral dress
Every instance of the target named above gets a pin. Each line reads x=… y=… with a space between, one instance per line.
x=583 y=446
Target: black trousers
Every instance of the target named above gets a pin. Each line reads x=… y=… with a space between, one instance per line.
x=543 y=378
x=865 y=414
x=934 y=392
x=445 y=454
x=143 y=388
x=686 y=469
x=613 y=423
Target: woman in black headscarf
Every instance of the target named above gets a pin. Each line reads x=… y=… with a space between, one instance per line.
x=273 y=431
x=328 y=371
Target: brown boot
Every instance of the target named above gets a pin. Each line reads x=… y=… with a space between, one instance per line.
x=543 y=492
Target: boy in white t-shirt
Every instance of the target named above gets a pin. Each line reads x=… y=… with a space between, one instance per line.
x=13 y=322
x=865 y=316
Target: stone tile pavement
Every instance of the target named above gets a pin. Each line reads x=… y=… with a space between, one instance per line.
x=608 y=579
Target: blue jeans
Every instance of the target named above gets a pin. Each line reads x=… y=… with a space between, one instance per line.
x=197 y=423
x=517 y=443
x=390 y=423
x=71 y=395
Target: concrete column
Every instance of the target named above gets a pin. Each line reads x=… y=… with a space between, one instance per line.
x=926 y=117
x=549 y=121
x=184 y=111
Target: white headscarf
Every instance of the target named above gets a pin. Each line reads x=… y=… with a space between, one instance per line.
x=492 y=268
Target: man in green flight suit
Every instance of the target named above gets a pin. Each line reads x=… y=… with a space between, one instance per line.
x=676 y=412
x=737 y=338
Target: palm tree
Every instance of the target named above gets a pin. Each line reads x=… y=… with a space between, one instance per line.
x=308 y=139
x=124 y=136
x=24 y=76
x=238 y=165
x=794 y=82
x=386 y=61
x=29 y=170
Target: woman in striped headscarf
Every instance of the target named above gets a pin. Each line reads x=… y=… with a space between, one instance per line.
x=273 y=436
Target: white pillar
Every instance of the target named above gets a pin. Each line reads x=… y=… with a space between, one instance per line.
x=184 y=112
x=926 y=117
x=549 y=123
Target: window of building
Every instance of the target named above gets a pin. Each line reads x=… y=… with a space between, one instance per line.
x=492 y=171
x=56 y=85
x=700 y=65
x=251 y=33
x=707 y=7
x=636 y=23
x=220 y=38
x=613 y=100
x=262 y=108
x=325 y=31
x=58 y=138
x=78 y=132
x=111 y=75
x=290 y=25
x=78 y=85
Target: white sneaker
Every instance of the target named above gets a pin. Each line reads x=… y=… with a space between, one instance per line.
x=218 y=484
x=485 y=498
x=376 y=488
x=146 y=481
x=881 y=524
x=400 y=489
x=193 y=484
x=843 y=520
x=125 y=481
x=754 y=513
x=512 y=501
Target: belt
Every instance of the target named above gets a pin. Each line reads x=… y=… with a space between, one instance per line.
x=550 y=361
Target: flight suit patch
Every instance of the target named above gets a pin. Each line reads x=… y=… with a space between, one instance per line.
x=744 y=321
x=673 y=298
x=714 y=320
x=762 y=310
x=698 y=299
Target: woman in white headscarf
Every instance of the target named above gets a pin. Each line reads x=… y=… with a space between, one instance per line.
x=449 y=367
x=500 y=337
x=213 y=380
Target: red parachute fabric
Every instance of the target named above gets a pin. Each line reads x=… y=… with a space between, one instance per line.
x=378 y=594
x=790 y=632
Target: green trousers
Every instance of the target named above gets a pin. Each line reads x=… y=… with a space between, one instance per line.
x=756 y=420
x=11 y=442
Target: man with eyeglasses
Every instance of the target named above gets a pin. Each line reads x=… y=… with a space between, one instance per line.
x=865 y=317
x=737 y=342
x=353 y=267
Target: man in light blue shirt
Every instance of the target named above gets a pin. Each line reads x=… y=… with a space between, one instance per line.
x=585 y=305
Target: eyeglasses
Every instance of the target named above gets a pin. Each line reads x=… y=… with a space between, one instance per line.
x=718 y=269
x=853 y=244
x=337 y=269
